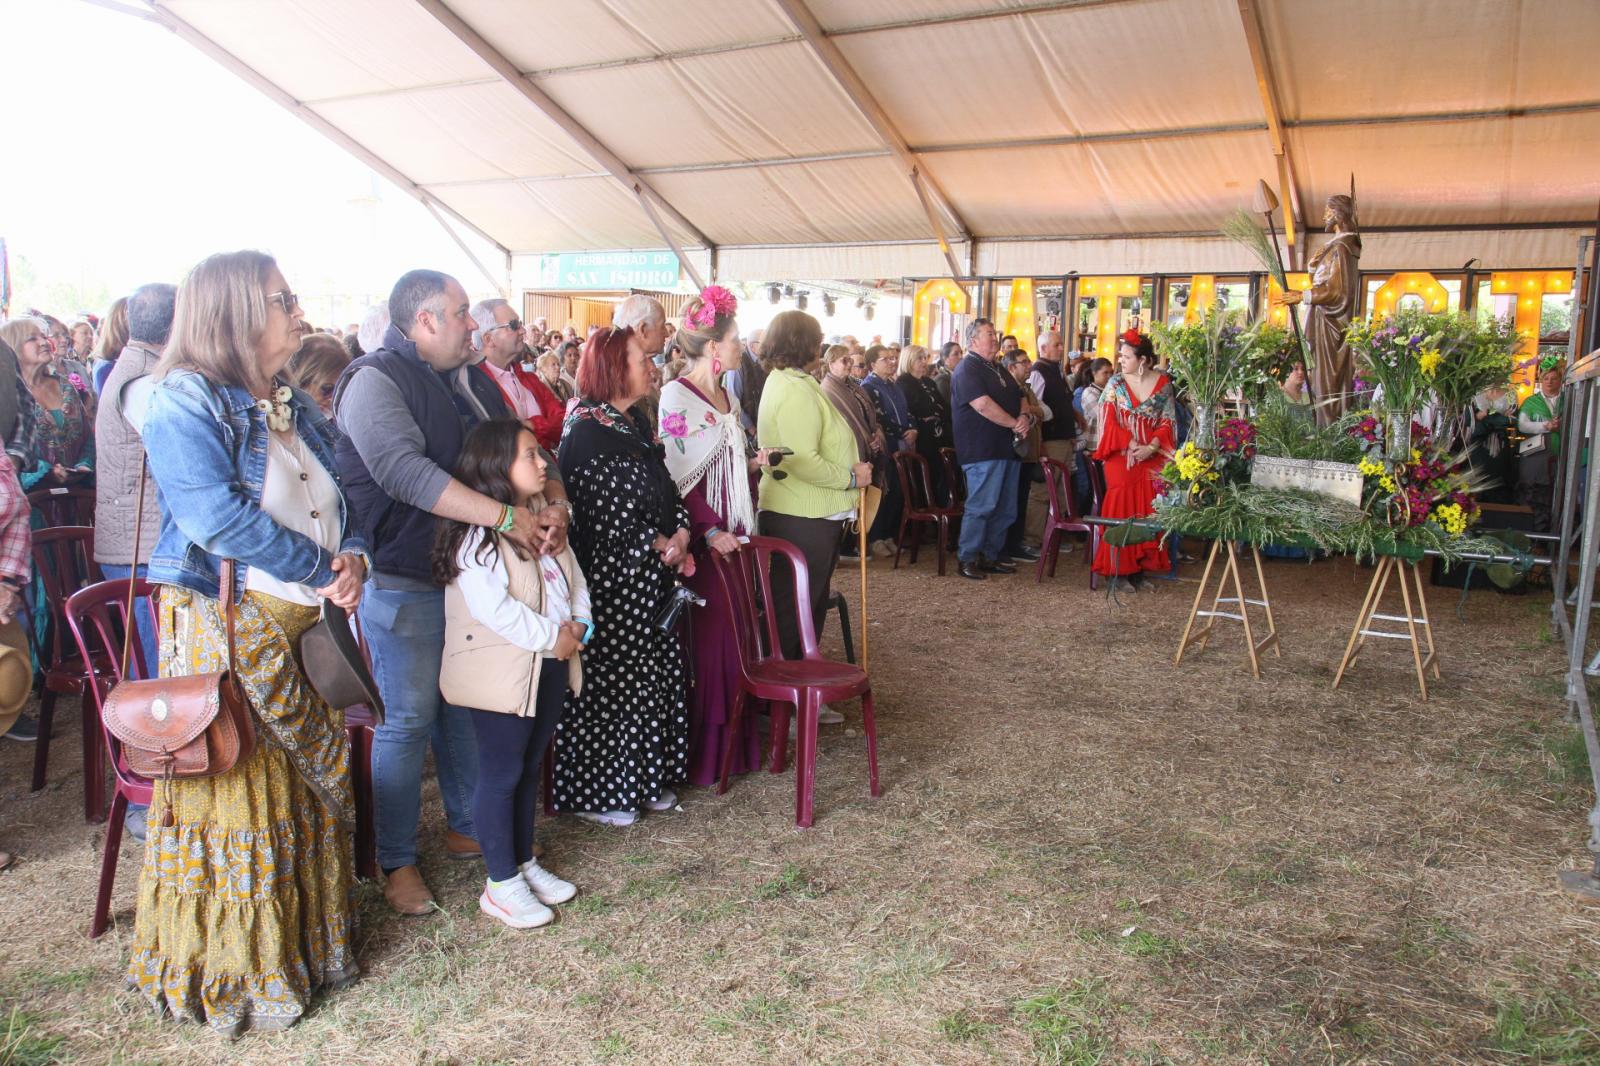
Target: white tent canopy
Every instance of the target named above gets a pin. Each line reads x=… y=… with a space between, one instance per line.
x=1096 y=135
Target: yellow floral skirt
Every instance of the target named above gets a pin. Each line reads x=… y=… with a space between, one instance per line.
x=245 y=901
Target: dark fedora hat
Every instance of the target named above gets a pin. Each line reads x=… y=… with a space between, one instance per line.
x=334 y=664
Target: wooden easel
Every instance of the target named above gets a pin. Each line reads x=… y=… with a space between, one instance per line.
x=1415 y=616
x=1230 y=570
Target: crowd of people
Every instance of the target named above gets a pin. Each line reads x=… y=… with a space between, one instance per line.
x=508 y=511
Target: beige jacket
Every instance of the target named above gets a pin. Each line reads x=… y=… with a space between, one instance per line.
x=481 y=668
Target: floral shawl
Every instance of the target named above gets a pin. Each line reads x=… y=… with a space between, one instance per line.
x=1140 y=419
x=702 y=442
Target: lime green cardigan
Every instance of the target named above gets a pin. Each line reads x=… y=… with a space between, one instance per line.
x=796 y=414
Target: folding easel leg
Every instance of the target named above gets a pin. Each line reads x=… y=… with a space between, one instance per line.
x=1361 y=621
x=1427 y=623
x=1204 y=635
x=1244 y=611
x=1411 y=628
x=1194 y=610
x=1266 y=601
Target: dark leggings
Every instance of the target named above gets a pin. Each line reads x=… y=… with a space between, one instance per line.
x=510 y=751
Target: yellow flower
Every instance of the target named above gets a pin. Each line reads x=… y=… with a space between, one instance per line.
x=1371 y=467
x=1386 y=483
x=1451 y=518
x=1430 y=361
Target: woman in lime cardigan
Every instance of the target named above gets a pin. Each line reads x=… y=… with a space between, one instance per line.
x=816 y=494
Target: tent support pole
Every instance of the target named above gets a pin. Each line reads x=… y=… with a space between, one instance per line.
x=661 y=228
x=591 y=145
x=928 y=190
x=1293 y=213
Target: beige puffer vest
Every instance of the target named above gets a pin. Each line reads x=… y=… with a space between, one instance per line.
x=481 y=668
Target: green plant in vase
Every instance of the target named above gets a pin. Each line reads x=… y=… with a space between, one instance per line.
x=1481 y=355
x=1401 y=354
x=1210 y=358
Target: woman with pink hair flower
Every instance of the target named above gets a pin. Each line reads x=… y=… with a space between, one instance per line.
x=713 y=464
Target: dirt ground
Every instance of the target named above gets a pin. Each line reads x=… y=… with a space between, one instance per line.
x=1082 y=854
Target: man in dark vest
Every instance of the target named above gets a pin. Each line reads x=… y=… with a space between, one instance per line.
x=1060 y=432
x=405 y=410
x=119 y=459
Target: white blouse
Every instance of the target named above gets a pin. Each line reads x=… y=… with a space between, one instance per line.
x=301 y=495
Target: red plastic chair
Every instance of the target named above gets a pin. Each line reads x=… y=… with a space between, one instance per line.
x=64 y=505
x=1063 y=517
x=97 y=618
x=916 y=488
x=806 y=683
x=1097 y=486
x=63 y=559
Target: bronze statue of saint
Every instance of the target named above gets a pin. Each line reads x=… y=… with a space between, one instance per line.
x=1335 y=292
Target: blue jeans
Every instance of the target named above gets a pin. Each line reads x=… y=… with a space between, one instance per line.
x=141 y=612
x=991 y=507
x=405 y=634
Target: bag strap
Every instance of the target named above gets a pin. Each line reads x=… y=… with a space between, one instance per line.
x=130 y=620
x=224 y=584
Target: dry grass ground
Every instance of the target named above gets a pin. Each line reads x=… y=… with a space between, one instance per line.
x=1083 y=854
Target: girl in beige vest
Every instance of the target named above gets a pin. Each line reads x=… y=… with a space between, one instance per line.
x=514 y=624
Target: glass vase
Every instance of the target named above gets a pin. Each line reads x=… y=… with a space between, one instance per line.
x=1203 y=433
x=1397 y=436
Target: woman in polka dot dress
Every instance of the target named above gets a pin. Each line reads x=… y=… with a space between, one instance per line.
x=624 y=743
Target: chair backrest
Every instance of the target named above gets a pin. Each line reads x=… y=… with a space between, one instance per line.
x=955 y=475
x=63 y=557
x=1058 y=482
x=915 y=484
x=64 y=505
x=1097 y=483
x=747 y=574
x=97 y=617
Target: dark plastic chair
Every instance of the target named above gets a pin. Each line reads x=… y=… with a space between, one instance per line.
x=97 y=617
x=63 y=560
x=916 y=487
x=805 y=683
x=1063 y=518
x=955 y=477
x=64 y=505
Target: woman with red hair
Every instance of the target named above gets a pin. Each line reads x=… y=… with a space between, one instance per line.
x=1138 y=407
x=623 y=742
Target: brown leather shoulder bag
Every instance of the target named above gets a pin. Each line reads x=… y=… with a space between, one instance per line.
x=181 y=727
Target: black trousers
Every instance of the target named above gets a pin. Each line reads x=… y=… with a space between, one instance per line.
x=818 y=541
x=510 y=751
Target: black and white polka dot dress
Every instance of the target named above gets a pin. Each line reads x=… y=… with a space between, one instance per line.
x=625 y=740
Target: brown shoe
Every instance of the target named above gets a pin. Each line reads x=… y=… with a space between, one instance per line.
x=459 y=846
x=407 y=892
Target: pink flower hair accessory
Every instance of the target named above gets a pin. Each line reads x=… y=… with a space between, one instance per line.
x=714 y=301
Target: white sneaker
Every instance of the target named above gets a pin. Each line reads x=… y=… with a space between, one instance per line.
x=512 y=902
x=620 y=819
x=828 y=716
x=668 y=800
x=884 y=549
x=549 y=888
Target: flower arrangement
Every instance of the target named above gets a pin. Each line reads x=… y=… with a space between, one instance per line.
x=1402 y=354
x=715 y=302
x=1426 y=486
x=1194 y=469
x=1481 y=356
x=1213 y=356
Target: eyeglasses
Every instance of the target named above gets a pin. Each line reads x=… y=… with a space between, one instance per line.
x=286 y=300
x=515 y=326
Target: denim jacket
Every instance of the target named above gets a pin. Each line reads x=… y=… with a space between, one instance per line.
x=207 y=446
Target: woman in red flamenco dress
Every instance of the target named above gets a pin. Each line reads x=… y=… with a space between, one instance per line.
x=1137 y=418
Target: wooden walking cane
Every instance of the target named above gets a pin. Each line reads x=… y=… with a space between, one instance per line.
x=861 y=530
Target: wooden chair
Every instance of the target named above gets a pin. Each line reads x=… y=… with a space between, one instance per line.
x=97 y=618
x=920 y=508
x=764 y=674
x=63 y=560
x=63 y=505
x=1063 y=518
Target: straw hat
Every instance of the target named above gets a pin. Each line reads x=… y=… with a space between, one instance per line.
x=16 y=673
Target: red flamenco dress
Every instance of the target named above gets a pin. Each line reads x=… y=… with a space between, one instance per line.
x=1130 y=491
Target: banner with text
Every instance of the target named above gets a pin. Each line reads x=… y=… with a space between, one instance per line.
x=608 y=270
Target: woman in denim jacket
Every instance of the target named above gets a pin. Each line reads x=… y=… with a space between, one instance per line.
x=245 y=902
